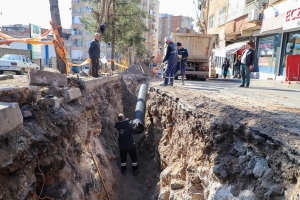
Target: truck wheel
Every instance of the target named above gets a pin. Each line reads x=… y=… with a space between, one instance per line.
x=1 y=72
x=21 y=72
x=202 y=79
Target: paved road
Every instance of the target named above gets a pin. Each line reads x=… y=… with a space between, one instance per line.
x=268 y=93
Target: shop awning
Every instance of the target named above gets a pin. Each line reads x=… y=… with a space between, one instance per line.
x=228 y=50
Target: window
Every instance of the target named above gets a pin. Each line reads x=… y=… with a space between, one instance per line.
x=88 y=43
x=222 y=16
x=88 y=8
x=211 y=21
x=267 y=52
x=76 y=19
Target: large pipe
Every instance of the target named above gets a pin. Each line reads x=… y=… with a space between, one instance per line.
x=139 y=116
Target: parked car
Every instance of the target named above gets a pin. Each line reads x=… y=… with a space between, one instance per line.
x=17 y=63
x=86 y=69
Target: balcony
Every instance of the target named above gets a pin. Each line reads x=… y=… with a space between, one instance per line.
x=243 y=11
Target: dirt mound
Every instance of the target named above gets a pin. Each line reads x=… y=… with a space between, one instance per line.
x=140 y=70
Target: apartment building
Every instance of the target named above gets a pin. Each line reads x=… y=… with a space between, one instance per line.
x=271 y=25
x=152 y=8
x=169 y=23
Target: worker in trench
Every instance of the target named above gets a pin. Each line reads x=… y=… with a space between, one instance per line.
x=182 y=61
x=172 y=58
x=126 y=144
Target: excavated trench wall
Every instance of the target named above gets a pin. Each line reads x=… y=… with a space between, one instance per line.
x=50 y=158
x=203 y=156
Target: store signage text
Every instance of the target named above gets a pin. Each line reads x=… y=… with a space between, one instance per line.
x=292 y=14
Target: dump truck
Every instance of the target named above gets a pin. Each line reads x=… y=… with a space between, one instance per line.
x=199 y=47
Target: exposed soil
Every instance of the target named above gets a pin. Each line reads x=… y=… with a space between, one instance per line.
x=212 y=149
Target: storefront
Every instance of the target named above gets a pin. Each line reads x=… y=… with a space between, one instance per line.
x=228 y=52
x=270 y=41
x=291 y=36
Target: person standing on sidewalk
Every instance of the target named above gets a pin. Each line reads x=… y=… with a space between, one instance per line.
x=171 y=57
x=225 y=67
x=247 y=62
x=237 y=66
x=182 y=61
x=126 y=144
x=94 y=54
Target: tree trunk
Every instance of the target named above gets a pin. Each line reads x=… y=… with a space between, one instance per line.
x=55 y=17
x=113 y=42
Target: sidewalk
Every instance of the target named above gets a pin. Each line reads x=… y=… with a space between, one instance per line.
x=266 y=83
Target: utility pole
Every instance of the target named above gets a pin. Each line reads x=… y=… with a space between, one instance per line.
x=55 y=17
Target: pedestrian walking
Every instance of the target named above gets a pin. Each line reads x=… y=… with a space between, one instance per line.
x=225 y=67
x=94 y=54
x=247 y=61
x=182 y=61
x=171 y=57
x=126 y=144
x=237 y=65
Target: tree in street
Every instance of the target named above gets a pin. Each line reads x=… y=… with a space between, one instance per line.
x=125 y=25
x=55 y=17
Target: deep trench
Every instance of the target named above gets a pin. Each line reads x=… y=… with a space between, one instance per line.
x=181 y=154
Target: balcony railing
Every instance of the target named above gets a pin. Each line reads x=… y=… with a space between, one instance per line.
x=242 y=11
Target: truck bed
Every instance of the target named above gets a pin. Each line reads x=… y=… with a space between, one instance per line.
x=199 y=46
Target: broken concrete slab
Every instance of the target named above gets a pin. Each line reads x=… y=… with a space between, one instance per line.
x=72 y=94
x=90 y=85
x=10 y=117
x=51 y=102
x=21 y=95
x=45 y=78
x=4 y=77
x=10 y=76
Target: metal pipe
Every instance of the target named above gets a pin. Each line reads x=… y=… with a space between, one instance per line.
x=139 y=116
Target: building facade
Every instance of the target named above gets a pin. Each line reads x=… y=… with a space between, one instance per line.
x=169 y=23
x=272 y=26
x=152 y=8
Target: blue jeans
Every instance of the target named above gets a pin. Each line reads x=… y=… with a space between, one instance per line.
x=245 y=73
x=169 y=74
x=236 y=70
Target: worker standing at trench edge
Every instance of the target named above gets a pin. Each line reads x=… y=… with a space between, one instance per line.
x=94 y=54
x=126 y=144
x=171 y=57
x=182 y=61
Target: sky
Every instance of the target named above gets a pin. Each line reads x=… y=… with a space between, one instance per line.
x=178 y=7
x=38 y=11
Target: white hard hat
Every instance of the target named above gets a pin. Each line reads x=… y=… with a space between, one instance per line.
x=168 y=39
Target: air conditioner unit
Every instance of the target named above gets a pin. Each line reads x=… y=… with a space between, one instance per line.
x=253 y=15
